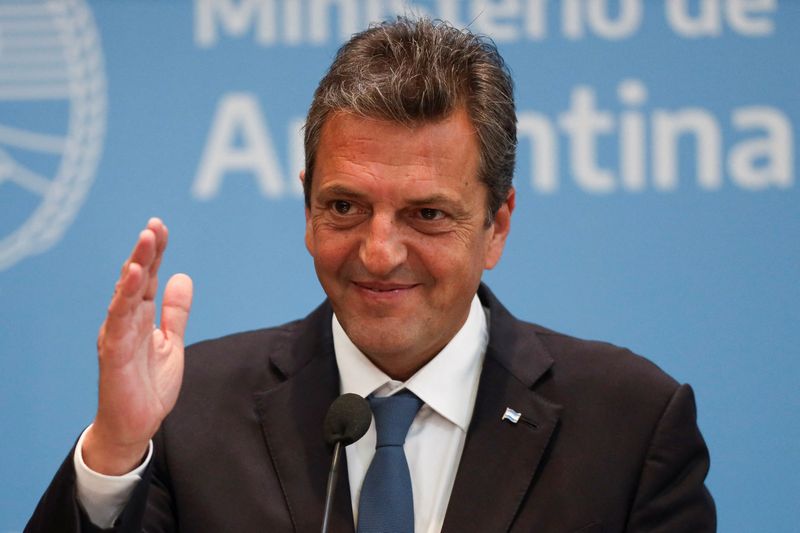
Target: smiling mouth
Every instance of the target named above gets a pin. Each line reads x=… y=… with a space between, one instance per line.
x=383 y=288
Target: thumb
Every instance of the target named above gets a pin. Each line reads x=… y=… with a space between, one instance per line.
x=176 y=306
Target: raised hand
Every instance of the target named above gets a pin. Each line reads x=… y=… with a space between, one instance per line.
x=141 y=364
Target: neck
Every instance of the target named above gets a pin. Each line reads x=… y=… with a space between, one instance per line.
x=401 y=367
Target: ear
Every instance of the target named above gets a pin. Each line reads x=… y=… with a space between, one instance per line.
x=501 y=226
x=309 y=245
x=302 y=178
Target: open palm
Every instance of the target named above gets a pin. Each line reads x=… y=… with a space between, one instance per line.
x=141 y=364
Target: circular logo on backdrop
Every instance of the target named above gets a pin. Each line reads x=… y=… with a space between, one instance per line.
x=52 y=120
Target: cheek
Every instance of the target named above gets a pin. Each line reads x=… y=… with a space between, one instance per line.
x=453 y=264
x=332 y=251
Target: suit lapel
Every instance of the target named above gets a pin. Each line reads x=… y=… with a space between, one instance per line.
x=501 y=458
x=499 y=461
x=291 y=416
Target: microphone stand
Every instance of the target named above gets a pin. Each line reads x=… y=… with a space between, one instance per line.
x=331 y=487
x=348 y=418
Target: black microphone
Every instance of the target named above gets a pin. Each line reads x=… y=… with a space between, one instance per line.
x=348 y=419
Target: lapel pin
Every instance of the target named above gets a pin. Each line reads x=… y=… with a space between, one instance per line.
x=511 y=415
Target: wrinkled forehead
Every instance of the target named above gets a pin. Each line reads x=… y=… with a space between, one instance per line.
x=431 y=159
x=453 y=135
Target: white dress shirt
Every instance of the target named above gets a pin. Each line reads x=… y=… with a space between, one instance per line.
x=104 y=497
x=447 y=385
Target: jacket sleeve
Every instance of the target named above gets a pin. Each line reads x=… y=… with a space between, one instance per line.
x=671 y=495
x=59 y=511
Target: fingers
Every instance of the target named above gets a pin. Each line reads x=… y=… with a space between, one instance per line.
x=138 y=281
x=147 y=253
x=161 y=235
x=144 y=251
x=131 y=283
x=176 y=306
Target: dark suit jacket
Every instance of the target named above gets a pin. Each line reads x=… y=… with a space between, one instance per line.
x=607 y=442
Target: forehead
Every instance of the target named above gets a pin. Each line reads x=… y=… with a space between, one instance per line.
x=444 y=151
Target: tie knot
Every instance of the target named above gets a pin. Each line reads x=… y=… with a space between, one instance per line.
x=393 y=417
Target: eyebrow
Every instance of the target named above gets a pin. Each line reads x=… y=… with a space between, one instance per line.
x=341 y=190
x=432 y=200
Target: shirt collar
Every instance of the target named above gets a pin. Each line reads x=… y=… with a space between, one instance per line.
x=448 y=384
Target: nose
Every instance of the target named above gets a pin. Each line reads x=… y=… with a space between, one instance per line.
x=382 y=249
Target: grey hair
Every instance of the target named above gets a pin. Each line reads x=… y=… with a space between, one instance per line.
x=411 y=71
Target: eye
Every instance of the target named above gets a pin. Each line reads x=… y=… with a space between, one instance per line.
x=342 y=207
x=427 y=213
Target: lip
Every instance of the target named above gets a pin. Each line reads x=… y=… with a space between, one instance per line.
x=383 y=291
x=383 y=287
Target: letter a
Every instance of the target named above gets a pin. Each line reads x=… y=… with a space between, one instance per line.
x=762 y=161
x=238 y=118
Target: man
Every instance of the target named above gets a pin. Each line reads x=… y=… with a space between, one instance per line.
x=410 y=144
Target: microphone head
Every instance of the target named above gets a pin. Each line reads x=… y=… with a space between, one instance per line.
x=348 y=419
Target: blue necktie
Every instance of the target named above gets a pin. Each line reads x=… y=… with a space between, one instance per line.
x=386 y=504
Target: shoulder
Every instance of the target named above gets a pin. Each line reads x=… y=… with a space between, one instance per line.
x=252 y=361
x=607 y=393
x=592 y=360
x=570 y=370
x=241 y=352
x=222 y=375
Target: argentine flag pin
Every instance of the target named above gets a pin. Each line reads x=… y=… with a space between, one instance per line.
x=511 y=415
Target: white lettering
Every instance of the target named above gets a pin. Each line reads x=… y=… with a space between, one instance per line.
x=492 y=18
x=323 y=22
x=235 y=17
x=705 y=23
x=238 y=141
x=630 y=16
x=297 y=156
x=668 y=127
x=741 y=15
x=543 y=149
x=675 y=145
x=406 y=7
x=374 y=11
x=632 y=135
x=758 y=163
x=292 y=22
x=572 y=19
x=449 y=11
x=600 y=23
x=536 y=19
x=750 y=18
x=583 y=122
x=349 y=21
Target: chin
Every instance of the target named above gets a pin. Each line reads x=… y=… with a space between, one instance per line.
x=380 y=337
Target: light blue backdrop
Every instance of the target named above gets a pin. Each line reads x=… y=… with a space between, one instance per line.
x=657 y=197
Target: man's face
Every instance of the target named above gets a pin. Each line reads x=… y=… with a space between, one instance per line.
x=396 y=226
